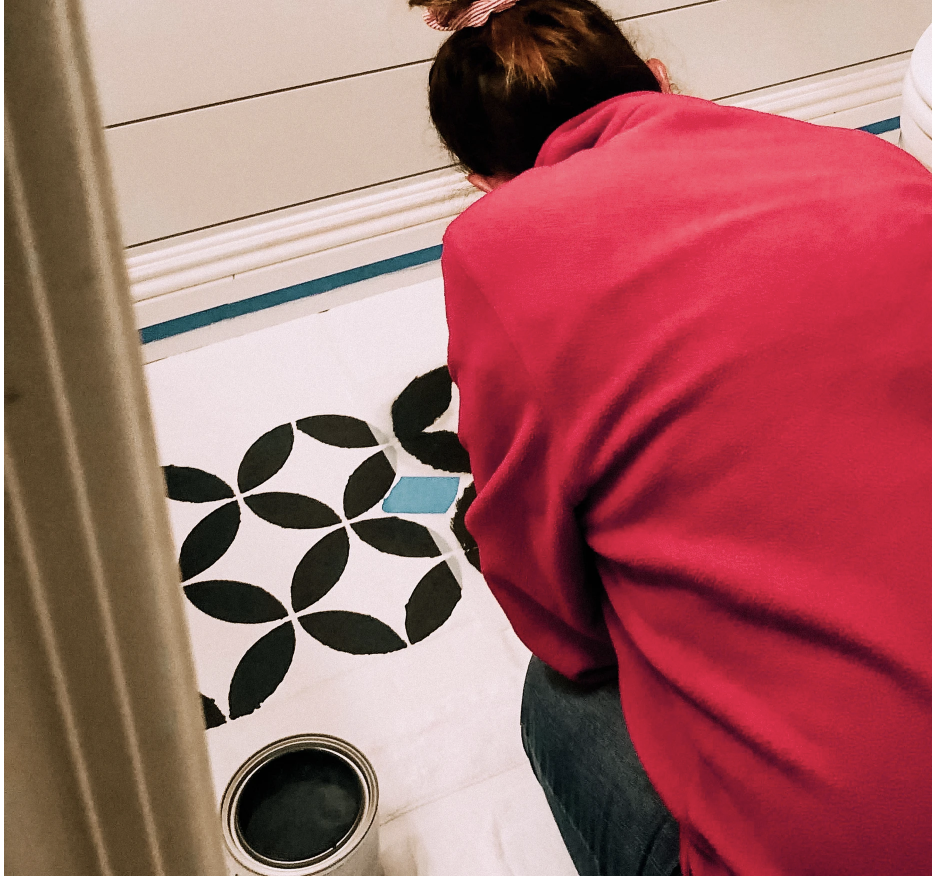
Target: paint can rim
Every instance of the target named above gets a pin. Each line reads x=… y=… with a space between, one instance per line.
x=328 y=861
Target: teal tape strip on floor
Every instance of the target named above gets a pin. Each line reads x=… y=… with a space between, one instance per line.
x=882 y=127
x=202 y=318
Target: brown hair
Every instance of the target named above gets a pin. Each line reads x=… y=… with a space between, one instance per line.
x=498 y=91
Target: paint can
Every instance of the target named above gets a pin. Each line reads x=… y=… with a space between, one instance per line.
x=305 y=805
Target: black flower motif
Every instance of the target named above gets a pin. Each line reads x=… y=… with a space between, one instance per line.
x=458 y=525
x=265 y=457
x=338 y=431
x=392 y=535
x=320 y=569
x=213 y=717
x=212 y=537
x=262 y=670
x=264 y=666
x=433 y=599
x=368 y=485
x=431 y=603
x=235 y=601
x=209 y=540
x=291 y=510
x=194 y=485
x=351 y=632
x=420 y=405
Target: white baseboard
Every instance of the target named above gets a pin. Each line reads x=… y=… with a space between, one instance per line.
x=252 y=244
x=177 y=278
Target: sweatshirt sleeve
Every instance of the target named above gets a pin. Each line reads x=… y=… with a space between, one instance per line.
x=531 y=550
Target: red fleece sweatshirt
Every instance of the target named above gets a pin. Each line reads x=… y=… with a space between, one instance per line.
x=693 y=347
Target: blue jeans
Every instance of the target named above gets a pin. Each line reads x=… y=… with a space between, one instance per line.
x=611 y=818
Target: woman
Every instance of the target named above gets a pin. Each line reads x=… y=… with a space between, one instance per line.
x=692 y=345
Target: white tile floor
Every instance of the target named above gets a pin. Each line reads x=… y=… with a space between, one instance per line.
x=437 y=718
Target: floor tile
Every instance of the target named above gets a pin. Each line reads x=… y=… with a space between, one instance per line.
x=315 y=481
x=501 y=825
x=210 y=404
x=386 y=342
x=433 y=718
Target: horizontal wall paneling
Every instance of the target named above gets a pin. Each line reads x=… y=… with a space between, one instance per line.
x=192 y=170
x=830 y=95
x=732 y=47
x=153 y=57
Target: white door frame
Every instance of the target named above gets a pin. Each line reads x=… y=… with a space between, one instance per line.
x=106 y=758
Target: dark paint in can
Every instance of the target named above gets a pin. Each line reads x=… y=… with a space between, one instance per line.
x=306 y=806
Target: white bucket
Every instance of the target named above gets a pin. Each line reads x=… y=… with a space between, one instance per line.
x=303 y=806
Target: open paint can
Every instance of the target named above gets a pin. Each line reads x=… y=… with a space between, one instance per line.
x=303 y=806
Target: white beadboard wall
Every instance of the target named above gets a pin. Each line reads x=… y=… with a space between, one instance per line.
x=244 y=136
x=157 y=57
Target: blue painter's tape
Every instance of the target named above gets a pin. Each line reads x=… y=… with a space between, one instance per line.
x=882 y=127
x=190 y=321
x=421 y=496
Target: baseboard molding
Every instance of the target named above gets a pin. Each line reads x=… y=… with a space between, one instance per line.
x=252 y=258
x=259 y=243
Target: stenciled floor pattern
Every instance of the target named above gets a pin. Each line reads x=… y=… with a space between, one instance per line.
x=317 y=492
x=434 y=596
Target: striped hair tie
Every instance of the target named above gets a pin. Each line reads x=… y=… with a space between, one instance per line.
x=475 y=15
